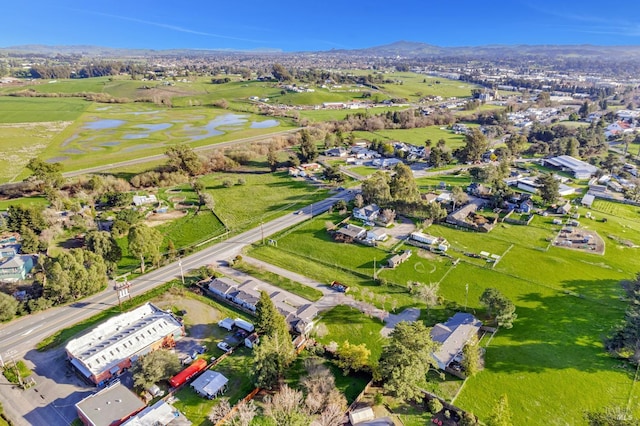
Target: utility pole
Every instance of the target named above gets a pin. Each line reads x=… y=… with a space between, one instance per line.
x=374 y=268
x=466 y=296
x=262 y=231
x=181 y=271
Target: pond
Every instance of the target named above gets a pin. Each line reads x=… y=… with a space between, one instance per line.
x=264 y=124
x=104 y=124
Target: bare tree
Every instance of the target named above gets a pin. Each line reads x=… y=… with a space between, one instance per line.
x=331 y=416
x=244 y=413
x=220 y=411
x=428 y=293
x=286 y=408
x=358 y=201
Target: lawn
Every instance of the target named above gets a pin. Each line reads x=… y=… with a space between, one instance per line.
x=36 y=201
x=346 y=323
x=287 y=284
x=238 y=368
x=32 y=110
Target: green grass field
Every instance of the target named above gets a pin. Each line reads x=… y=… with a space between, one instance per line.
x=345 y=323
x=31 y=110
x=340 y=114
x=566 y=300
x=263 y=197
x=287 y=284
x=417 y=136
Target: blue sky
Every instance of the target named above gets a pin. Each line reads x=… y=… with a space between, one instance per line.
x=318 y=25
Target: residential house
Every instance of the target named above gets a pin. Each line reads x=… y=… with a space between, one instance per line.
x=397 y=259
x=479 y=190
x=453 y=335
x=385 y=163
x=368 y=213
x=223 y=287
x=377 y=234
x=16 y=267
x=336 y=152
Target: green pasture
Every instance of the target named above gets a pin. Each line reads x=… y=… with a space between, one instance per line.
x=340 y=114
x=261 y=198
x=417 y=136
x=429 y=183
x=24 y=202
x=415 y=86
x=32 y=110
x=20 y=142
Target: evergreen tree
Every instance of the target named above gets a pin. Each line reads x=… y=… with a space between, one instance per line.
x=406 y=360
x=501 y=415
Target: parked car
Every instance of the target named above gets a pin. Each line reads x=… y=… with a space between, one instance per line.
x=223 y=346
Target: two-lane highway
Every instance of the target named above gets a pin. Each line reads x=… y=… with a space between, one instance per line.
x=24 y=333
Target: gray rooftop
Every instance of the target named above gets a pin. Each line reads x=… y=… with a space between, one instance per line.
x=110 y=404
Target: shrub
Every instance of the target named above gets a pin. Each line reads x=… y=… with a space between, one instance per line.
x=434 y=405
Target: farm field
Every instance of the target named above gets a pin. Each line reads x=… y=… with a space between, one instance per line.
x=566 y=300
x=19 y=142
x=33 y=110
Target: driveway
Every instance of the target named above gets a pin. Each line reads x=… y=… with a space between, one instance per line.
x=334 y=298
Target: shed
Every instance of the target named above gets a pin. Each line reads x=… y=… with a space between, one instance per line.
x=361 y=415
x=210 y=384
x=251 y=340
x=587 y=200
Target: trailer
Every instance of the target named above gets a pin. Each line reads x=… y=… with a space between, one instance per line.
x=188 y=373
x=244 y=325
x=339 y=287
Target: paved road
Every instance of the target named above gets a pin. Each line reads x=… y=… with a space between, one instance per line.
x=162 y=156
x=53 y=404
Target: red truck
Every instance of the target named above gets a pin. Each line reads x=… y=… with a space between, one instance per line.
x=186 y=374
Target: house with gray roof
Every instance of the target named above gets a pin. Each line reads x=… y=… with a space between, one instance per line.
x=452 y=336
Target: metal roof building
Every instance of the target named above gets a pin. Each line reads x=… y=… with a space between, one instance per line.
x=118 y=342
x=210 y=384
x=580 y=169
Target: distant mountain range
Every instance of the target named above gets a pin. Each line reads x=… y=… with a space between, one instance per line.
x=402 y=49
